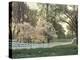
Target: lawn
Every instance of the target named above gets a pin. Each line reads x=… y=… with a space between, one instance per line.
x=39 y=52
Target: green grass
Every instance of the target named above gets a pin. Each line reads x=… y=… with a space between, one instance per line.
x=39 y=52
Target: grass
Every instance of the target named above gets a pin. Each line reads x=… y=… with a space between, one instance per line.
x=39 y=52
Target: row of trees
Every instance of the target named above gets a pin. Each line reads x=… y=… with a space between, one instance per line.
x=56 y=14
x=52 y=15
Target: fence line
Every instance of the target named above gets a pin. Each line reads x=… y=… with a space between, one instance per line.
x=17 y=45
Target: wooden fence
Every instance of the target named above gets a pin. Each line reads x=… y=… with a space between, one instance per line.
x=18 y=45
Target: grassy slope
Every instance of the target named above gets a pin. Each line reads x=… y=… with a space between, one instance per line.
x=55 y=51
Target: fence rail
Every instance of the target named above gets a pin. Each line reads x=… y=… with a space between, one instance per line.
x=17 y=45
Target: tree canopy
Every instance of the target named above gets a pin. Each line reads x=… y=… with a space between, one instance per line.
x=45 y=21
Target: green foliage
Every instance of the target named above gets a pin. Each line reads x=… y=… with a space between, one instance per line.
x=53 y=14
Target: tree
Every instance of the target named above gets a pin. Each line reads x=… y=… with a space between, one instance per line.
x=52 y=17
x=72 y=15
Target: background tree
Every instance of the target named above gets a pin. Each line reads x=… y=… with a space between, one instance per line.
x=48 y=18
